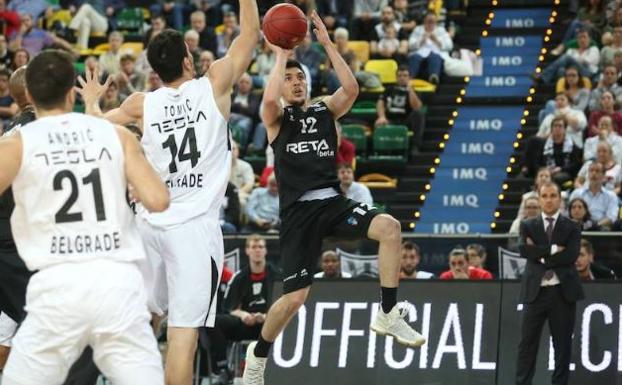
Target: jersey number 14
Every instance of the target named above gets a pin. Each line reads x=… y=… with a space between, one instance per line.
x=187 y=150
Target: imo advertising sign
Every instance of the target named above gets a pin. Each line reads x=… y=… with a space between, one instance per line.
x=472 y=330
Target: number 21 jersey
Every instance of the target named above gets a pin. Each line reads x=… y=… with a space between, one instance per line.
x=186 y=140
x=70 y=194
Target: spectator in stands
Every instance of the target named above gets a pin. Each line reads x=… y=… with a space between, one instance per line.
x=110 y=61
x=575 y=88
x=602 y=203
x=607 y=105
x=542 y=176
x=10 y=20
x=128 y=78
x=341 y=37
x=21 y=57
x=560 y=153
x=530 y=208
x=586 y=58
x=245 y=110
x=247 y=300
x=607 y=83
x=262 y=208
x=607 y=53
x=111 y=99
x=331 y=266
x=406 y=15
x=153 y=81
x=230 y=210
x=173 y=11
x=400 y=104
x=34 y=40
x=207 y=37
x=586 y=267
x=191 y=37
x=411 y=256
x=334 y=13
x=8 y=107
x=613 y=170
x=459 y=267
x=230 y=31
x=580 y=213
x=353 y=190
x=604 y=133
x=92 y=16
x=427 y=44
x=575 y=121
x=212 y=9
x=158 y=24
x=476 y=255
x=206 y=60
x=5 y=55
x=307 y=55
x=242 y=175
x=366 y=15
x=346 y=150
x=35 y=8
x=590 y=18
x=264 y=63
x=388 y=42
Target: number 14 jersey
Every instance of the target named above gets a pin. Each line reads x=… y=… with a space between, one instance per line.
x=186 y=140
x=70 y=194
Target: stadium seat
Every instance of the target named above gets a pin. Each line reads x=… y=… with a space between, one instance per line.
x=356 y=133
x=130 y=19
x=238 y=134
x=100 y=49
x=385 y=68
x=364 y=110
x=376 y=180
x=421 y=85
x=360 y=49
x=390 y=143
x=135 y=48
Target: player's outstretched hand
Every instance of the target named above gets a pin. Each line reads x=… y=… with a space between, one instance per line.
x=92 y=90
x=320 y=29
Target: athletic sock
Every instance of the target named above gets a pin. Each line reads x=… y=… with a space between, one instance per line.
x=388 y=298
x=262 y=348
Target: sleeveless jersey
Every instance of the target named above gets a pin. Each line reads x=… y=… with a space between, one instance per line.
x=304 y=152
x=186 y=140
x=69 y=194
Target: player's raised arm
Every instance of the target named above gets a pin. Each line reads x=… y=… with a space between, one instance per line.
x=92 y=90
x=225 y=72
x=342 y=100
x=148 y=187
x=272 y=110
x=10 y=159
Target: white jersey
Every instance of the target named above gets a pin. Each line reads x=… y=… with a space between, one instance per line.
x=70 y=194
x=187 y=141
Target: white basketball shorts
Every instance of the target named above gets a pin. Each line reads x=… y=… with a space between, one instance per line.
x=183 y=270
x=7 y=329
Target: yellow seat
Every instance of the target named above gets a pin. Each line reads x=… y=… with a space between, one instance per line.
x=385 y=68
x=219 y=29
x=360 y=49
x=63 y=16
x=560 y=86
x=376 y=180
x=135 y=48
x=421 y=85
x=100 y=49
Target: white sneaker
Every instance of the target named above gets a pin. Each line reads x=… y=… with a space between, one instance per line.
x=254 y=368
x=393 y=324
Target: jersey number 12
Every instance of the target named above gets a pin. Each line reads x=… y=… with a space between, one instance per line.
x=187 y=151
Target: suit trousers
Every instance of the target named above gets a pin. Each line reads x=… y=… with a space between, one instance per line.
x=549 y=305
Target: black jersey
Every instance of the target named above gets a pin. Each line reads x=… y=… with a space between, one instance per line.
x=397 y=104
x=251 y=292
x=304 y=152
x=6 y=200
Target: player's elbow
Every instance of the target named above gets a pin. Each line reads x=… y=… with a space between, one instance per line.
x=352 y=89
x=160 y=201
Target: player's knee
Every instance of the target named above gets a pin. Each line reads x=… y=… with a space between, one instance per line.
x=296 y=299
x=390 y=229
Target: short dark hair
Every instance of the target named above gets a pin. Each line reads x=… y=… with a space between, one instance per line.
x=588 y=246
x=550 y=184
x=49 y=77
x=479 y=249
x=344 y=165
x=403 y=68
x=166 y=53
x=294 y=64
x=408 y=245
x=5 y=72
x=559 y=118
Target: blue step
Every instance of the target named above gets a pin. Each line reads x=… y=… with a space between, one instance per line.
x=499 y=86
x=453 y=227
x=521 y=18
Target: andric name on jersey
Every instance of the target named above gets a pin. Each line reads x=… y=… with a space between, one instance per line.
x=85 y=243
x=186 y=181
x=69 y=155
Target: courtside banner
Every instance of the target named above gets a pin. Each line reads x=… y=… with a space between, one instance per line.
x=472 y=330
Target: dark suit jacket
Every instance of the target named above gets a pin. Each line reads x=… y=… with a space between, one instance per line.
x=566 y=233
x=344 y=8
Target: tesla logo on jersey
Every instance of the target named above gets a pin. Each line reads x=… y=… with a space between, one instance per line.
x=321 y=147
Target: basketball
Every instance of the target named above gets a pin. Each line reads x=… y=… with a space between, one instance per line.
x=285 y=25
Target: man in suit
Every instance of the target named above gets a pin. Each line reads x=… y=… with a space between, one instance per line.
x=551 y=286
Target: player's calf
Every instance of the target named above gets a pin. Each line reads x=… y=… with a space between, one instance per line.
x=181 y=349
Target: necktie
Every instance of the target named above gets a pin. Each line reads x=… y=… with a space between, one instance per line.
x=549 y=234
